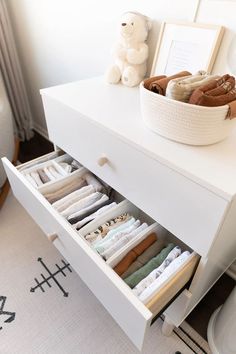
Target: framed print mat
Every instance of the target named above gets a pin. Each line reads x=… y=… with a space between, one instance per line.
x=186 y=46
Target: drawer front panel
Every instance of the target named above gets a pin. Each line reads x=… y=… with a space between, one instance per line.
x=177 y=203
x=132 y=316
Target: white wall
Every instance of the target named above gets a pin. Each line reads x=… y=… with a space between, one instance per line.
x=66 y=40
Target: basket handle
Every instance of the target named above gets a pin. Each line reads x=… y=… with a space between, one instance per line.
x=231 y=114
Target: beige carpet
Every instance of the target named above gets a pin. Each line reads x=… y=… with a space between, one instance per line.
x=48 y=322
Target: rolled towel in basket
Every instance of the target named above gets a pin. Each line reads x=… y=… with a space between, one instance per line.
x=219 y=92
x=159 y=86
x=180 y=89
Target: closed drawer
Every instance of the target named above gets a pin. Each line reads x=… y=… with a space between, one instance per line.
x=131 y=314
x=179 y=204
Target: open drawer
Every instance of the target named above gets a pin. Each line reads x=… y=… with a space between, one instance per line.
x=129 y=312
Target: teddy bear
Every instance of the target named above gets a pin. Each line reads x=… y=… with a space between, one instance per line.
x=131 y=51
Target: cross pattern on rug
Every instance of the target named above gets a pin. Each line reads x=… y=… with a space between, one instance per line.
x=51 y=276
x=11 y=315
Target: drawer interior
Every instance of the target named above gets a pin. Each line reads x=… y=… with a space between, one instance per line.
x=72 y=241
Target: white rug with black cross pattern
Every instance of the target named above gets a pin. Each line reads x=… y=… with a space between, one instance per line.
x=45 y=308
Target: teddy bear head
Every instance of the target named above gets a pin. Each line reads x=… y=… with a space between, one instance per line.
x=134 y=26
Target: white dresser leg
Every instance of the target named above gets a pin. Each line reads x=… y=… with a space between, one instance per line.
x=167 y=327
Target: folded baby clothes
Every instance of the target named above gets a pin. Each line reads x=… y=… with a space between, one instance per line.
x=64 y=203
x=36 y=178
x=159 y=85
x=104 y=201
x=66 y=167
x=143 y=284
x=118 y=245
x=132 y=255
x=149 y=82
x=109 y=241
x=31 y=180
x=67 y=188
x=93 y=216
x=145 y=257
x=82 y=203
x=216 y=93
x=180 y=89
x=154 y=287
x=79 y=215
x=54 y=172
x=103 y=229
x=155 y=262
x=44 y=178
x=91 y=179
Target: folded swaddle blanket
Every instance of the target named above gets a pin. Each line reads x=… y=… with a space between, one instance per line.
x=218 y=92
x=158 y=85
x=180 y=89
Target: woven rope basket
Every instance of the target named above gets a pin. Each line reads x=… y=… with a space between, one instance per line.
x=184 y=122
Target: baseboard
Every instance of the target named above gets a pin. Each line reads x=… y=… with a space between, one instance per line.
x=41 y=130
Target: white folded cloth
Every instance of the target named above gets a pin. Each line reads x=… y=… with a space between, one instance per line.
x=36 y=177
x=148 y=280
x=77 y=214
x=49 y=174
x=93 y=216
x=31 y=180
x=81 y=204
x=73 y=197
x=54 y=172
x=65 y=167
x=91 y=179
x=115 y=229
x=123 y=241
x=153 y=289
x=117 y=236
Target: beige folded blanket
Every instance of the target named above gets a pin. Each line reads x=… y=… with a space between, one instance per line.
x=67 y=189
x=181 y=89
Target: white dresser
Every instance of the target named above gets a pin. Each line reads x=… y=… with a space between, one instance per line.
x=190 y=191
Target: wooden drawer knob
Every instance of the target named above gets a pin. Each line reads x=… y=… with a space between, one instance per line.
x=52 y=237
x=102 y=160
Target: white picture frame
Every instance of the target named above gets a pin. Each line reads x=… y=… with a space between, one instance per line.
x=186 y=46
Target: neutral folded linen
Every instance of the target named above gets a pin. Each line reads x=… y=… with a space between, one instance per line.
x=181 y=89
x=144 y=258
x=108 y=242
x=82 y=203
x=159 y=85
x=155 y=262
x=94 y=215
x=73 y=197
x=44 y=178
x=54 y=172
x=30 y=179
x=79 y=215
x=49 y=174
x=123 y=241
x=91 y=179
x=148 y=280
x=103 y=229
x=153 y=289
x=92 y=209
x=132 y=255
x=115 y=229
x=67 y=188
x=66 y=167
x=36 y=177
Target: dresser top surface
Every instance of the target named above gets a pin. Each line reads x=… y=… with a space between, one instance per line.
x=117 y=108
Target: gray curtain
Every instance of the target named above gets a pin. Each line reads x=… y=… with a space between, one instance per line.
x=13 y=78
